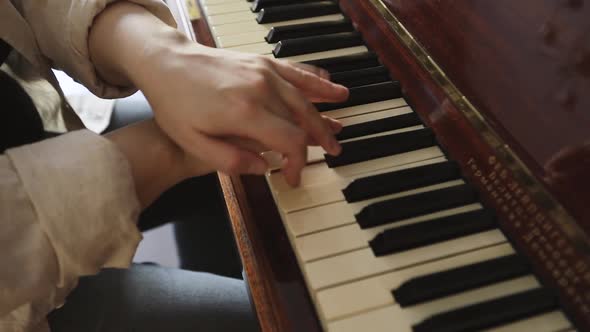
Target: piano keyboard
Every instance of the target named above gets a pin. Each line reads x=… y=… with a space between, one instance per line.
x=388 y=235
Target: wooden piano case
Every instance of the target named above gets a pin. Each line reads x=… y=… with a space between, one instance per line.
x=505 y=85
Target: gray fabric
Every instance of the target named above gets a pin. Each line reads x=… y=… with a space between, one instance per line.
x=150 y=298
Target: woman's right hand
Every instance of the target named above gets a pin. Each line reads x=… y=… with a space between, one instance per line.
x=221 y=107
x=225 y=107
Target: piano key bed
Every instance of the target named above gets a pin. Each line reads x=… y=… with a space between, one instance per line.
x=388 y=235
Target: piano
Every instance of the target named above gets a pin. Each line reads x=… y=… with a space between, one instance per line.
x=461 y=199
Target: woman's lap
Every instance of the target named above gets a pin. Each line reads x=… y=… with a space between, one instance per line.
x=152 y=298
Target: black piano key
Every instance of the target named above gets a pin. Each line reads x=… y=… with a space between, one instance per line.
x=381 y=146
x=347 y=62
x=464 y=278
x=365 y=95
x=415 y=205
x=306 y=45
x=379 y=126
x=297 y=11
x=491 y=313
x=397 y=181
x=257 y=5
x=432 y=231
x=360 y=77
x=277 y=34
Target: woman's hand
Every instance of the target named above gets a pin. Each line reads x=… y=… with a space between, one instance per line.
x=225 y=107
x=219 y=106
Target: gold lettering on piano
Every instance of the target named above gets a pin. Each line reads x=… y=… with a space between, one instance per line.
x=544 y=239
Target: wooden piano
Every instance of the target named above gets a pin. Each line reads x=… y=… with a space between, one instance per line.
x=461 y=201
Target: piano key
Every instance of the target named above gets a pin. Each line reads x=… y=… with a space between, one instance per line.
x=459 y=279
x=492 y=312
x=257 y=5
x=352 y=120
x=381 y=146
x=382 y=184
x=554 y=321
x=228 y=18
x=328 y=54
x=317 y=153
x=277 y=33
x=342 y=113
x=347 y=63
x=414 y=205
x=305 y=197
x=360 y=77
x=297 y=11
x=359 y=264
x=225 y=8
x=248 y=26
x=258 y=48
x=365 y=95
x=252 y=37
x=217 y=2
x=338 y=214
x=320 y=173
x=305 y=45
x=371 y=293
x=350 y=237
x=399 y=319
x=432 y=231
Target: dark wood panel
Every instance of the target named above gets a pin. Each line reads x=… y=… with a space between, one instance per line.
x=526 y=65
x=557 y=259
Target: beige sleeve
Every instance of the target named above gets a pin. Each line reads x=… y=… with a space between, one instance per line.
x=61 y=28
x=67 y=208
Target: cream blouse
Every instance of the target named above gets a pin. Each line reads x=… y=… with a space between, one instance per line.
x=67 y=205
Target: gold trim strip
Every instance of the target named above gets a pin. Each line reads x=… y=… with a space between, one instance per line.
x=504 y=153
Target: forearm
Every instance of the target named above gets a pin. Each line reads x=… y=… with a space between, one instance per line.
x=126 y=41
x=156 y=162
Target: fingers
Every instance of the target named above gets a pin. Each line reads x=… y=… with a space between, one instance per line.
x=223 y=156
x=312 y=69
x=314 y=87
x=308 y=118
x=278 y=135
x=334 y=124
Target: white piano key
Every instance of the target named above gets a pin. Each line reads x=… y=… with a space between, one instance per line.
x=395 y=318
x=304 y=197
x=297 y=224
x=342 y=113
x=320 y=173
x=554 y=321
x=258 y=48
x=229 y=18
x=246 y=26
x=226 y=8
x=217 y=2
x=328 y=54
x=371 y=293
x=252 y=37
x=350 y=237
x=377 y=115
x=316 y=153
x=362 y=263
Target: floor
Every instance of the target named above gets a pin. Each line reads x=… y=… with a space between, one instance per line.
x=158 y=245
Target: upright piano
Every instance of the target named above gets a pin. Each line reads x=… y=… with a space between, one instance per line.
x=461 y=200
